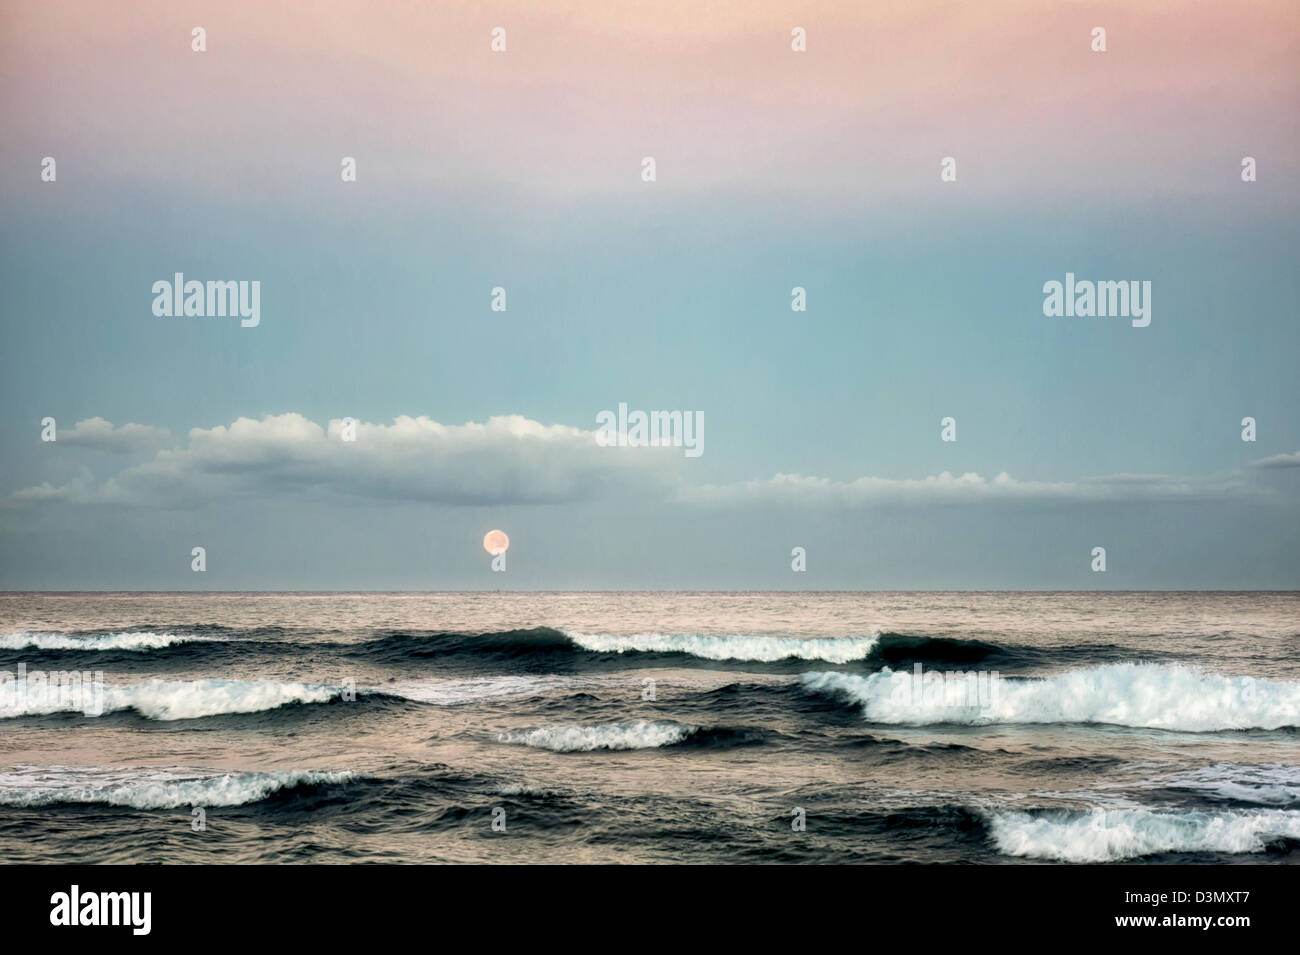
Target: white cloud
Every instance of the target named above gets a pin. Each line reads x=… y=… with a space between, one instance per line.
x=1278 y=461
x=507 y=460
x=100 y=435
x=946 y=487
x=512 y=460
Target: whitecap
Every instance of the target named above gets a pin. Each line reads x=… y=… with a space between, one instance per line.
x=1148 y=695
x=641 y=734
x=1108 y=835
x=761 y=649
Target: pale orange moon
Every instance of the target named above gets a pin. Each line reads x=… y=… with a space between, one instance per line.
x=496 y=542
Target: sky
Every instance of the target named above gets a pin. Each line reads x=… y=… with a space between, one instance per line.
x=775 y=169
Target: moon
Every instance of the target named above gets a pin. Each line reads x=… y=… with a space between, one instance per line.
x=496 y=542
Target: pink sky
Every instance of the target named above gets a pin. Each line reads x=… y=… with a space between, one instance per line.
x=712 y=90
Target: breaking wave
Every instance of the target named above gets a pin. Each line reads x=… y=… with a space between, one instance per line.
x=1109 y=835
x=130 y=640
x=759 y=649
x=481 y=689
x=168 y=699
x=1146 y=695
x=151 y=789
x=640 y=734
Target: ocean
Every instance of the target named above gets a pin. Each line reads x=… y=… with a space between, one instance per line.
x=1003 y=728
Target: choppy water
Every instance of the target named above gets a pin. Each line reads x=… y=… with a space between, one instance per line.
x=656 y=727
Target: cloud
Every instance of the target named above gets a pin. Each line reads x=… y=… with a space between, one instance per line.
x=77 y=491
x=512 y=460
x=507 y=460
x=100 y=435
x=944 y=488
x=1278 y=461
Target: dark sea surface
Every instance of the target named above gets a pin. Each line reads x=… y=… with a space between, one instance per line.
x=653 y=727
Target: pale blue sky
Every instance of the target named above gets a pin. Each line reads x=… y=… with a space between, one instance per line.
x=376 y=315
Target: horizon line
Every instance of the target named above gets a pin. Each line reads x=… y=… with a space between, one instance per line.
x=674 y=590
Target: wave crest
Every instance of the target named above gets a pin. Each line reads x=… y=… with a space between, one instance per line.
x=1108 y=835
x=1145 y=695
x=758 y=649
x=640 y=734
x=127 y=640
x=171 y=699
x=151 y=789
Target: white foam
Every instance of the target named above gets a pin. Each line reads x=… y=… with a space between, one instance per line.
x=1270 y=784
x=132 y=640
x=1107 y=835
x=762 y=649
x=173 y=699
x=457 y=692
x=148 y=788
x=641 y=734
x=1157 y=696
